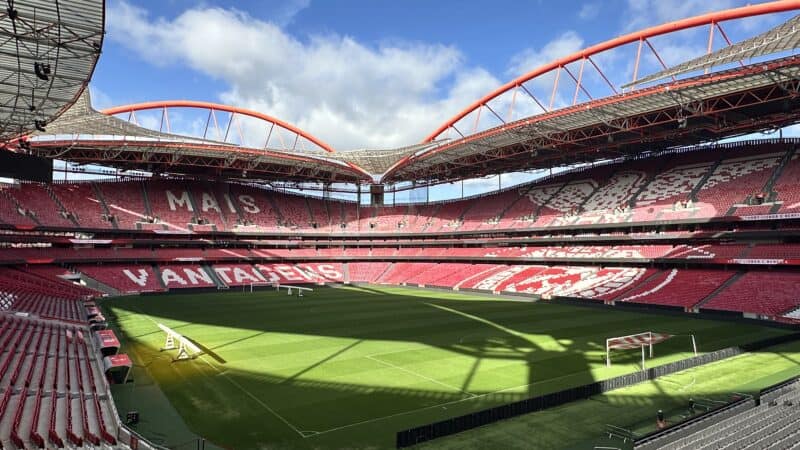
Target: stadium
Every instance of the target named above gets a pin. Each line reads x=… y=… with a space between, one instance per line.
x=240 y=282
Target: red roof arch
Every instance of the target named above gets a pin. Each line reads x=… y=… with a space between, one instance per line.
x=163 y=104
x=642 y=35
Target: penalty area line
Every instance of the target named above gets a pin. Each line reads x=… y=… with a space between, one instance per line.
x=224 y=374
x=403 y=413
x=388 y=364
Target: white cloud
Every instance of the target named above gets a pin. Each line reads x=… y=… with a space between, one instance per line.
x=100 y=99
x=354 y=95
x=529 y=59
x=645 y=13
x=341 y=90
x=285 y=13
x=589 y=11
x=564 y=44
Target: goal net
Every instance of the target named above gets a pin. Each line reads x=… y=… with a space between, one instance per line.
x=175 y=341
x=644 y=341
x=290 y=290
x=261 y=285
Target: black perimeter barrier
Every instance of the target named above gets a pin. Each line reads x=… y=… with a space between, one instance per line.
x=413 y=436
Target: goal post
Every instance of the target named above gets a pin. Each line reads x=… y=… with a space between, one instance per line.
x=174 y=340
x=290 y=289
x=263 y=284
x=645 y=340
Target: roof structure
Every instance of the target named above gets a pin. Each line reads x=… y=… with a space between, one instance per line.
x=785 y=36
x=84 y=135
x=687 y=109
x=48 y=52
x=709 y=107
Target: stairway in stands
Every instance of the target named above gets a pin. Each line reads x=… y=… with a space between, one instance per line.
x=99 y=194
x=62 y=209
x=538 y=209
x=213 y=274
x=774 y=178
x=148 y=210
x=693 y=194
x=18 y=207
x=157 y=271
x=719 y=289
x=633 y=286
x=240 y=219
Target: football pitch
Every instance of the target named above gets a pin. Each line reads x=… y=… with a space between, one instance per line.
x=349 y=367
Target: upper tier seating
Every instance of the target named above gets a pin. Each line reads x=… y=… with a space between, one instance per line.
x=10 y=212
x=488 y=214
x=36 y=198
x=787 y=187
x=733 y=181
x=255 y=207
x=294 y=211
x=321 y=217
x=82 y=201
x=212 y=211
x=389 y=219
x=171 y=203
x=668 y=188
x=689 y=185
x=125 y=201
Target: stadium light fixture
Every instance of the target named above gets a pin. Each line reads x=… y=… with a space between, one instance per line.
x=42 y=70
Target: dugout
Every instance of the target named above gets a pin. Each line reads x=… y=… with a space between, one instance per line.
x=107 y=342
x=117 y=368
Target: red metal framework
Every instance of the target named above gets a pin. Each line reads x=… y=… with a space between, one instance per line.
x=583 y=126
x=223 y=130
x=691 y=113
x=585 y=61
x=199 y=159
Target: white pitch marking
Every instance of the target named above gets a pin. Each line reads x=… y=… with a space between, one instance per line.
x=419 y=375
x=440 y=405
x=245 y=391
x=257 y=400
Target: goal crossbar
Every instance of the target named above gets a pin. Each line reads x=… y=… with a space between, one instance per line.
x=289 y=288
x=186 y=348
x=639 y=340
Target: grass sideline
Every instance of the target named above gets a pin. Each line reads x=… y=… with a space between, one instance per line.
x=580 y=424
x=349 y=367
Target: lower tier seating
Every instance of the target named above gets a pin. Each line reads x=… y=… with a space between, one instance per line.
x=758 y=292
x=771 y=293
x=51 y=388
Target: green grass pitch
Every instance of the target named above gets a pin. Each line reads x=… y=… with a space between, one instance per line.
x=349 y=367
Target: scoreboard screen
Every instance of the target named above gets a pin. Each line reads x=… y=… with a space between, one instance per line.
x=25 y=167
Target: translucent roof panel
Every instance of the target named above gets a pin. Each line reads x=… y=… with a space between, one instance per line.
x=48 y=51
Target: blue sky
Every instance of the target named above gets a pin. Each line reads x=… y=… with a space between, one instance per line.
x=371 y=73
